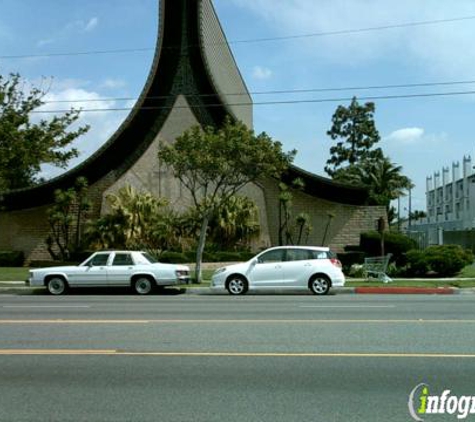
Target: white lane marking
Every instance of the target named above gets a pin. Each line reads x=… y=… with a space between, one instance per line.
x=46 y=352
x=46 y=306
x=348 y=306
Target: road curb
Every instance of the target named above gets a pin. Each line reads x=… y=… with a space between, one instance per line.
x=20 y=288
x=406 y=290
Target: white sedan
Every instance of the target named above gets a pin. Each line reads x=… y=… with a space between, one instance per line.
x=138 y=270
x=285 y=267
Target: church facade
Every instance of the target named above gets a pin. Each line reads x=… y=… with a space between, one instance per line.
x=194 y=79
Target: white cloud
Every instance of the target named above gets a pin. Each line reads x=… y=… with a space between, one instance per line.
x=406 y=135
x=103 y=123
x=261 y=73
x=441 y=50
x=83 y=26
x=42 y=43
x=93 y=22
x=113 y=83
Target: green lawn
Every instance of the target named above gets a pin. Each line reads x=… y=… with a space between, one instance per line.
x=468 y=272
x=13 y=273
x=413 y=283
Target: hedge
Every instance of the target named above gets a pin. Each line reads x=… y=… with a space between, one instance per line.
x=443 y=261
x=12 y=258
x=190 y=257
x=395 y=243
x=348 y=259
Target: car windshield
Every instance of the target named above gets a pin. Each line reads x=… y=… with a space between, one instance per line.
x=148 y=258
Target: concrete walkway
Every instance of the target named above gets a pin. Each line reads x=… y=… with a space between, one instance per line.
x=19 y=287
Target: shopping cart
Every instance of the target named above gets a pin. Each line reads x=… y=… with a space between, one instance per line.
x=376 y=268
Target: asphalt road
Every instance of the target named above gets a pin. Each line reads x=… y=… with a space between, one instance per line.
x=220 y=358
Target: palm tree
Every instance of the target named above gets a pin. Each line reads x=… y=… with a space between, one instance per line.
x=381 y=176
x=236 y=222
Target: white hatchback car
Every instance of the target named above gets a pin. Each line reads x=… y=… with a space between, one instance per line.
x=138 y=270
x=285 y=267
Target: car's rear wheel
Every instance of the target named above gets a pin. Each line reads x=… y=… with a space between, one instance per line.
x=237 y=285
x=57 y=285
x=143 y=285
x=320 y=284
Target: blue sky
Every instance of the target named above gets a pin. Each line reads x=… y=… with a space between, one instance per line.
x=421 y=134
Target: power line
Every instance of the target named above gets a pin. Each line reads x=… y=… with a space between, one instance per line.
x=263 y=103
x=77 y=53
x=275 y=92
x=354 y=31
x=252 y=40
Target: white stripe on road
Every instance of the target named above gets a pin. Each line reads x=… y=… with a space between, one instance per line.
x=99 y=352
x=46 y=306
x=348 y=306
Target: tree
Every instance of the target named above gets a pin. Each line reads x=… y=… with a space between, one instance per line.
x=138 y=220
x=287 y=224
x=383 y=178
x=356 y=128
x=355 y=160
x=416 y=215
x=214 y=164
x=24 y=145
x=66 y=218
x=234 y=223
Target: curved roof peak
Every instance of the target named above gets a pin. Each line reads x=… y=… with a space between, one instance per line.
x=192 y=59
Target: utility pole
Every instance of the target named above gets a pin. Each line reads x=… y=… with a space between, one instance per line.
x=410 y=210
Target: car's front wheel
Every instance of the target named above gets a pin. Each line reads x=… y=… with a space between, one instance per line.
x=57 y=285
x=320 y=284
x=143 y=285
x=237 y=285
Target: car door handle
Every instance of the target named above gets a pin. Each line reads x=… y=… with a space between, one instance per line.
x=307 y=265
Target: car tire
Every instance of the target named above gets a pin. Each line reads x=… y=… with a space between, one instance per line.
x=143 y=285
x=57 y=286
x=237 y=285
x=319 y=284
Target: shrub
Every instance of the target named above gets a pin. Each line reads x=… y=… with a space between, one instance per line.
x=443 y=260
x=348 y=259
x=228 y=256
x=80 y=256
x=356 y=270
x=12 y=258
x=169 y=257
x=352 y=248
x=395 y=243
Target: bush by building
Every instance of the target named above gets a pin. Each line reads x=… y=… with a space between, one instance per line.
x=349 y=259
x=395 y=243
x=441 y=261
x=12 y=258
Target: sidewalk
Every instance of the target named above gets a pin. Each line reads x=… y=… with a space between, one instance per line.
x=19 y=287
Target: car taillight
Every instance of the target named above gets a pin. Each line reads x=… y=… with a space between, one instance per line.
x=335 y=262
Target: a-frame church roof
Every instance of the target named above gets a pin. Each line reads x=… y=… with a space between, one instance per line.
x=192 y=59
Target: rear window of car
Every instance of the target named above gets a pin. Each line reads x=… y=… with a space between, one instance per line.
x=123 y=259
x=306 y=254
x=299 y=255
x=146 y=258
x=321 y=254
